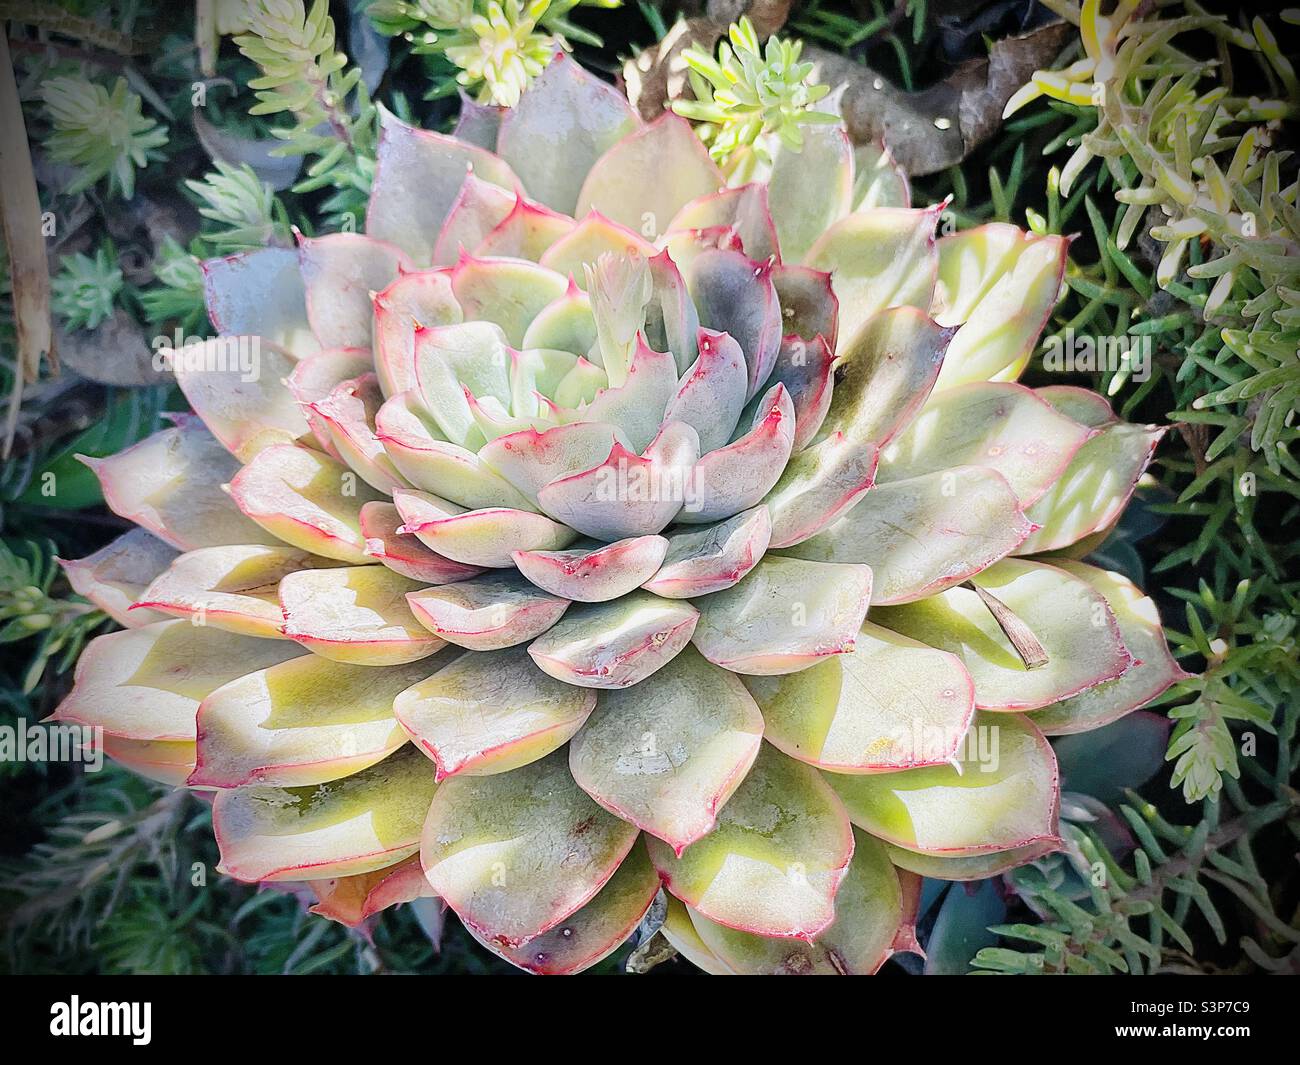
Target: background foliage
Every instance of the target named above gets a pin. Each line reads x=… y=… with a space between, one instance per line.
x=162 y=135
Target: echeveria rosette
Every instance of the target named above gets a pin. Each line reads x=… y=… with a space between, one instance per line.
x=532 y=568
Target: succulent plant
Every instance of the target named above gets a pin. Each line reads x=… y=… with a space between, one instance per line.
x=520 y=551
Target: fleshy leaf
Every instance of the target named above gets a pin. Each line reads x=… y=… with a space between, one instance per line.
x=1099 y=481
x=593 y=932
x=498 y=609
x=563 y=123
x=878 y=180
x=1000 y=285
x=809 y=308
x=417 y=176
x=1153 y=671
x=667 y=755
x=712 y=392
x=628 y=495
x=527 y=232
x=402 y=552
x=743 y=209
x=230 y=588
x=147 y=683
x=924 y=534
x=357 y=614
x=588 y=241
x=243 y=401
x=260 y=293
x=636 y=406
x=487 y=537
x=307 y=721
x=491 y=713
x=169 y=762
x=878 y=259
x=818 y=485
x=345 y=827
x=811 y=188
x=1070 y=619
x=170 y=484
x=786 y=615
x=348 y=414
x=1002 y=426
x=773 y=863
x=868 y=915
x=1001 y=795
x=514 y=854
x=805 y=368
x=316 y=376
x=680 y=932
x=423 y=299
x=507 y=292
x=668 y=148
x=892 y=704
x=885 y=374
x=114 y=576
x=306 y=499
x=615 y=644
x=735 y=295
x=736 y=477
x=530 y=460
x=594 y=574
x=340 y=271
x=706 y=560
x=971 y=867
x=435 y=465
x=479 y=208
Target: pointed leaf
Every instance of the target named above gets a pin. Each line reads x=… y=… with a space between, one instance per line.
x=346 y=827
x=667 y=755
x=1153 y=670
x=1070 y=619
x=357 y=614
x=417 y=176
x=594 y=574
x=307 y=721
x=487 y=537
x=709 y=559
x=170 y=484
x=491 y=713
x=306 y=499
x=735 y=295
x=498 y=609
x=924 y=534
x=147 y=683
x=786 y=615
x=563 y=123
x=776 y=858
x=1004 y=427
x=260 y=293
x=616 y=186
x=818 y=485
x=1002 y=795
x=891 y=704
x=514 y=854
x=744 y=209
x=340 y=271
x=868 y=915
x=230 y=588
x=114 y=576
x=615 y=644
x=402 y=552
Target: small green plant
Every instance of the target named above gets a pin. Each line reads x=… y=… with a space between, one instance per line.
x=750 y=94
x=86 y=289
x=101 y=133
x=242 y=207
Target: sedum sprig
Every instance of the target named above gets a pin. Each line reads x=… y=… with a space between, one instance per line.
x=1182 y=148
x=86 y=289
x=101 y=133
x=244 y=209
x=496 y=46
x=303 y=75
x=750 y=93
